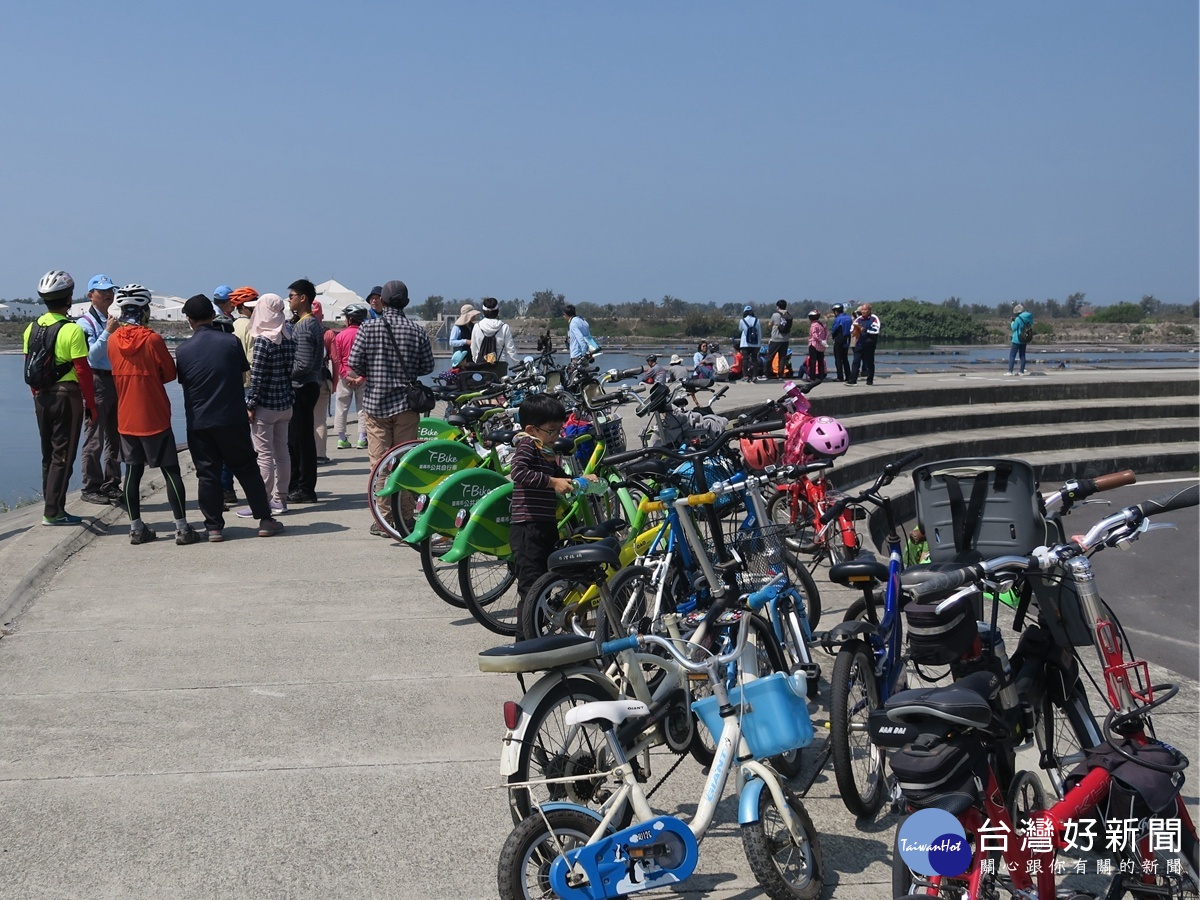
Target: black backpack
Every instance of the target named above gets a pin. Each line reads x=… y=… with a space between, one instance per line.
x=487 y=350
x=1025 y=332
x=785 y=326
x=41 y=368
x=751 y=331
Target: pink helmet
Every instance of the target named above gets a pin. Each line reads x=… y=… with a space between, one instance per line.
x=825 y=436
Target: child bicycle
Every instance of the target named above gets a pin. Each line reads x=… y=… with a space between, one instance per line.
x=942 y=761
x=577 y=853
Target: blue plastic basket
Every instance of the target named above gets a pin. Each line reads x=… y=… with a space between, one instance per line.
x=775 y=719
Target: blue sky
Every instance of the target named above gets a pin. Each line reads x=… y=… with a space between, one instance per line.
x=607 y=151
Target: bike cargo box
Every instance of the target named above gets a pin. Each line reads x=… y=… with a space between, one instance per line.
x=940 y=772
x=775 y=718
x=939 y=638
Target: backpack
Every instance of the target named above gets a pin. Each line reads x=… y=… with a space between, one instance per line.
x=487 y=350
x=41 y=368
x=1025 y=333
x=785 y=325
x=751 y=331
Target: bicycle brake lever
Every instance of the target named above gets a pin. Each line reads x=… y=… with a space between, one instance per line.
x=1126 y=541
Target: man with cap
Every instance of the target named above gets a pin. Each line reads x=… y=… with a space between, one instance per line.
x=654 y=373
x=777 y=347
x=579 y=334
x=751 y=340
x=223 y=308
x=391 y=353
x=306 y=382
x=839 y=334
x=101 y=462
x=865 y=330
x=210 y=365
x=460 y=331
x=492 y=340
x=62 y=406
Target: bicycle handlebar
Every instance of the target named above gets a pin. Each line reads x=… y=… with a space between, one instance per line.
x=889 y=473
x=1079 y=489
x=636 y=640
x=725 y=437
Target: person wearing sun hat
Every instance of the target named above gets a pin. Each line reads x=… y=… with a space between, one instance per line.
x=460 y=331
x=100 y=456
x=677 y=370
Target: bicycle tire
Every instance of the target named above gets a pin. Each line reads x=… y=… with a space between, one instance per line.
x=523 y=872
x=858 y=764
x=906 y=887
x=1068 y=744
x=442 y=577
x=799 y=520
x=539 y=610
x=793 y=639
x=377 y=479
x=1185 y=887
x=488 y=586
x=628 y=589
x=785 y=870
x=812 y=595
x=552 y=750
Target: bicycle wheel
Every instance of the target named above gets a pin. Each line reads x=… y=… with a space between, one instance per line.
x=630 y=589
x=794 y=641
x=442 y=577
x=488 y=586
x=807 y=586
x=531 y=848
x=858 y=764
x=541 y=611
x=1176 y=875
x=799 y=519
x=1062 y=732
x=906 y=886
x=787 y=870
x=396 y=529
x=1025 y=797
x=552 y=749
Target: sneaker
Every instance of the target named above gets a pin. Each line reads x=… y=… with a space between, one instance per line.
x=243 y=512
x=231 y=498
x=269 y=528
x=142 y=536
x=362 y=444
x=64 y=519
x=215 y=535
x=187 y=535
x=1007 y=373
x=97 y=497
x=343 y=444
x=323 y=460
x=302 y=497
x=377 y=531
x=1024 y=373
x=114 y=493
x=277 y=508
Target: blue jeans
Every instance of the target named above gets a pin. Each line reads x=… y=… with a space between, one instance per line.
x=1013 y=351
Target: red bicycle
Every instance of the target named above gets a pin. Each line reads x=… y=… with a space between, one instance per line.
x=1131 y=779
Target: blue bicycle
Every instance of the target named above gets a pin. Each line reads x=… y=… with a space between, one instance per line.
x=869 y=665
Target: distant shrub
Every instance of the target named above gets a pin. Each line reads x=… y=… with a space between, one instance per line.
x=1122 y=313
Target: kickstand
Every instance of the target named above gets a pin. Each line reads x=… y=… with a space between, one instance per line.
x=818 y=765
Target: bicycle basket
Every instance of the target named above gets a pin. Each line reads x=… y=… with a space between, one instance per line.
x=716 y=468
x=774 y=718
x=762 y=552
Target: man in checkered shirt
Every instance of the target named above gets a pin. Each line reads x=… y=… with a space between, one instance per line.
x=390 y=353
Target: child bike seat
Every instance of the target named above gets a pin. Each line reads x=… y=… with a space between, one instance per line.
x=547 y=652
x=964 y=703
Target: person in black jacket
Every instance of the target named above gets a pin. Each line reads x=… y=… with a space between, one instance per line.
x=210 y=366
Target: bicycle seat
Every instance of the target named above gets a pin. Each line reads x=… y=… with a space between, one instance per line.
x=697 y=384
x=653 y=467
x=599 y=531
x=614 y=712
x=964 y=703
x=503 y=436
x=853 y=572
x=547 y=652
x=582 y=560
x=563 y=445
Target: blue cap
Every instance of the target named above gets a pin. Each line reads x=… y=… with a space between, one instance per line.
x=101 y=283
x=747 y=308
x=458 y=357
x=222 y=293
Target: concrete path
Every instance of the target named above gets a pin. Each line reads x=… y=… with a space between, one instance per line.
x=289 y=717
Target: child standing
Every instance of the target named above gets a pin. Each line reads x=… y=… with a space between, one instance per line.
x=537 y=481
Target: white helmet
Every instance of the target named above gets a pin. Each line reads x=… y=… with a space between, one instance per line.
x=133 y=295
x=56 y=285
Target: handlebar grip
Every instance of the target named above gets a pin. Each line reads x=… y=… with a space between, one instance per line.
x=649 y=506
x=701 y=499
x=619 y=645
x=921 y=582
x=758 y=428
x=1113 y=480
x=632 y=372
x=834 y=511
x=761 y=598
x=1180 y=499
x=904 y=461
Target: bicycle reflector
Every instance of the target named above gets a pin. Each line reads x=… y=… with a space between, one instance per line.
x=460 y=518
x=421 y=502
x=512 y=713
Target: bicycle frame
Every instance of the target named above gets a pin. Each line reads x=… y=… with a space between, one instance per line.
x=814 y=492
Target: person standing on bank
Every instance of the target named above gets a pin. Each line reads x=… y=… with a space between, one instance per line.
x=391 y=353
x=777 y=347
x=866 y=331
x=63 y=403
x=818 y=340
x=460 y=331
x=355 y=314
x=142 y=366
x=306 y=382
x=492 y=340
x=101 y=462
x=751 y=340
x=210 y=365
x=270 y=398
x=839 y=333
x=1022 y=333
x=579 y=334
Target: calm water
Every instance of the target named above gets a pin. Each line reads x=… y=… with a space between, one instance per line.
x=20 y=453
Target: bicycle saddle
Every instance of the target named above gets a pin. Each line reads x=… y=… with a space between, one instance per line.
x=655 y=468
x=964 y=703
x=697 y=384
x=503 y=436
x=563 y=445
x=599 y=531
x=583 y=559
x=600 y=711
x=547 y=652
x=853 y=571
